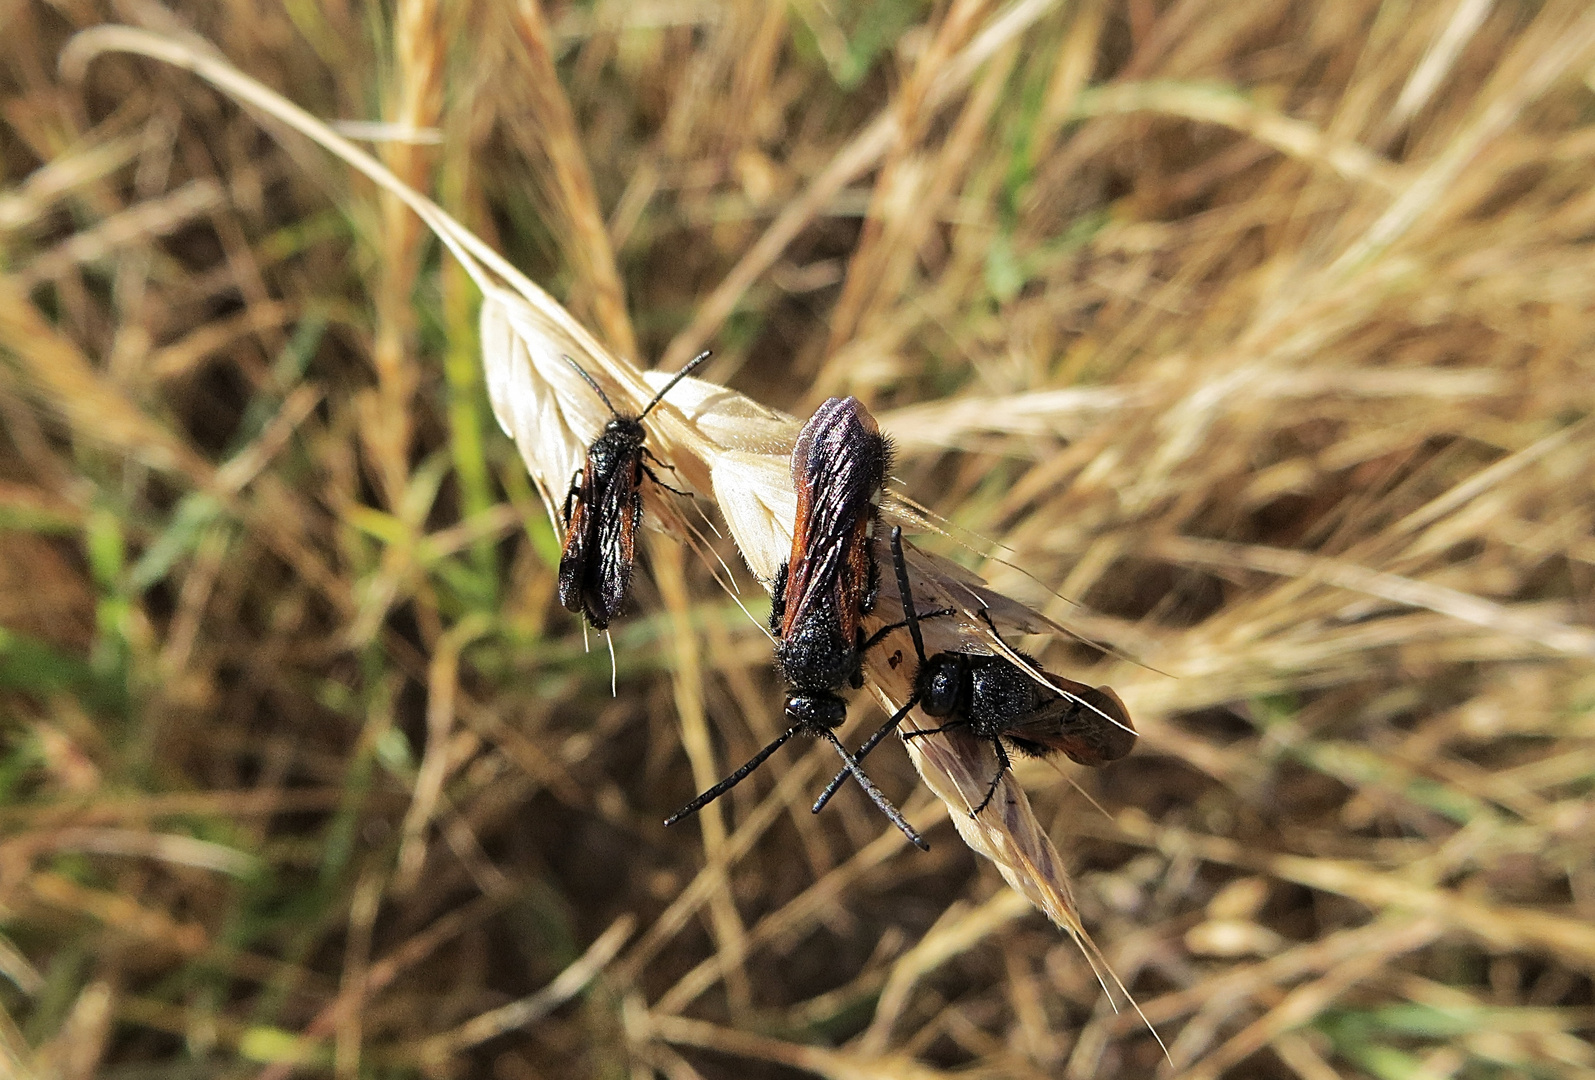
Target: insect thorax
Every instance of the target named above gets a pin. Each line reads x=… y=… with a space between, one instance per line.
x=999 y=694
x=622 y=438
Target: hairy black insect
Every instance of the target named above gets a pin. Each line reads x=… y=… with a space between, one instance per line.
x=604 y=509
x=839 y=468
x=995 y=699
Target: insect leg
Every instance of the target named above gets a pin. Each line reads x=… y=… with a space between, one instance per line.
x=954 y=726
x=869 y=744
x=733 y=780
x=1003 y=765
x=985 y=615
x=872 y=579
x=874 y=793
x=655 y=478
x=875 y=638
x=651 y=456
x=778 y=599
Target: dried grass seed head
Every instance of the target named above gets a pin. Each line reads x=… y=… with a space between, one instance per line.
x=716 y=440
x=747 y=458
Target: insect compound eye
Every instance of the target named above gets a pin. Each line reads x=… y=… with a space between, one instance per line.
x=941 y=688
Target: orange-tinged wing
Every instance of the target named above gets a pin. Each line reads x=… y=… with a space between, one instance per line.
x=1088 y=723
x=577 y=551
x=839 y=466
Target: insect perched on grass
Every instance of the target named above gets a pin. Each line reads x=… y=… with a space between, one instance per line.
x=839 y=468
x=993 y=698
x=604 y=509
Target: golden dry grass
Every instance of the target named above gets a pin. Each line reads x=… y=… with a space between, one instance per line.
x=1260 y=330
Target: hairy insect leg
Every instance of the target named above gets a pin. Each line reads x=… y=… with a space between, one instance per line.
x=1003 y=765
x=869 y=744
x=734 y=779
x=879 y=635
x=655 y=477
x=778 y=598
x=880 y=800
x=985 y=616
x=935 y=730
x=651 y=456
x=872 y=582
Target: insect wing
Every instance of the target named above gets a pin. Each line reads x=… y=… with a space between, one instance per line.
x=795 y=573
x=838 y=466
x=1088 y=723
x=617 y=513
x=580 y=540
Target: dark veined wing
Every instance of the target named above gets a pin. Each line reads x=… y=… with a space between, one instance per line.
x=1088 y=723
x=580 y=538
x=617 y=512
x=839 y=466
x=798 y=570
x=855 y=579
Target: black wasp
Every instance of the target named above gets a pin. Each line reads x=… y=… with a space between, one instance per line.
x=604 y=509
x=839 y=468
x=995 y=699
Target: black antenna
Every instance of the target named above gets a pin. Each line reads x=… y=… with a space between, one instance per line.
x=733 y=780
x=906 y=592
x=849 y=766
x=592 y=383
x=682 y=374
x=869 y=744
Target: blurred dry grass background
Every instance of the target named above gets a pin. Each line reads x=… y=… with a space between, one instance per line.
x=1262 y=329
